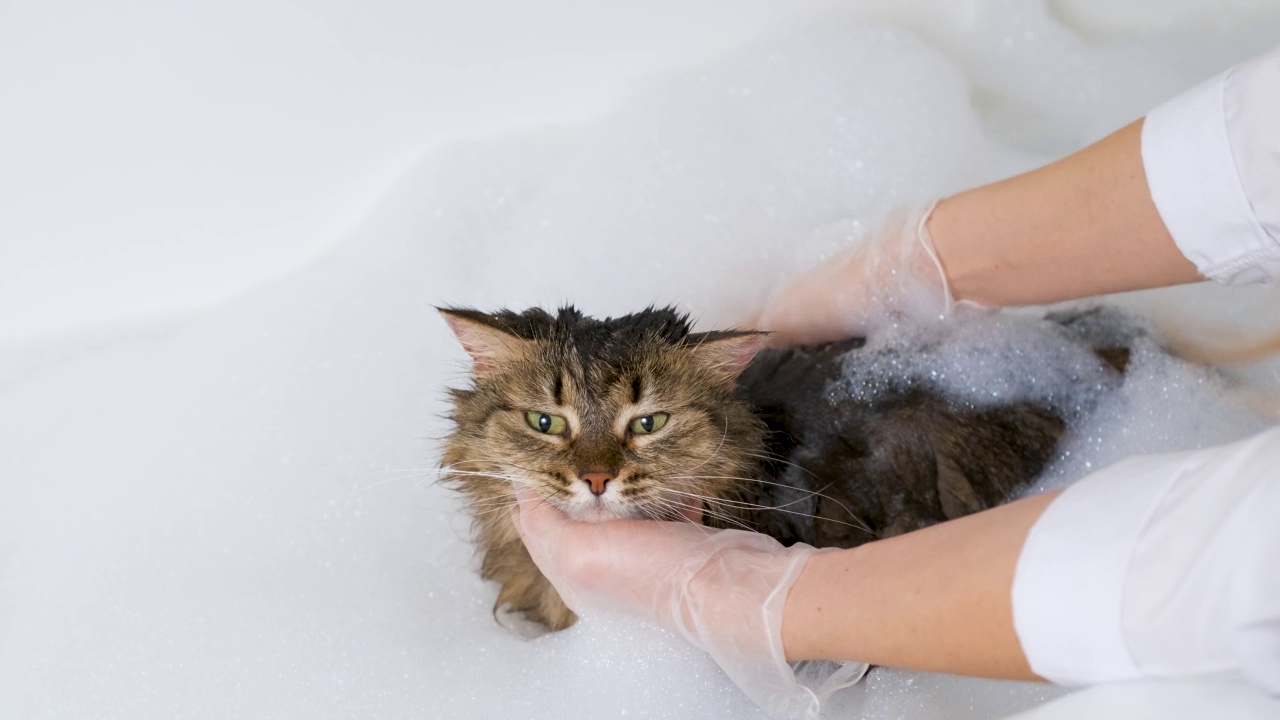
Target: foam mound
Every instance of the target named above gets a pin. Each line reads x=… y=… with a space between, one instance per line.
x=248 y=525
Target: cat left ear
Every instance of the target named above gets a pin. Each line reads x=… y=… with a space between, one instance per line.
x=489 y=344
x=727 y=353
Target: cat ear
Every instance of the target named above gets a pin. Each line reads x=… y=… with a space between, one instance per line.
x=726 y=352
x=488 y=343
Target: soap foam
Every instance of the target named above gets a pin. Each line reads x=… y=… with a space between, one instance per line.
x=982 y=362
x=249 y=527
x=1161 y=402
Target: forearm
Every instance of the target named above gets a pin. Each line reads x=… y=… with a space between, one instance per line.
x=937 y=599
x=1084 y=225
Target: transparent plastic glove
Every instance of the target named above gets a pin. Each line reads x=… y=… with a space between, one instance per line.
x=888 y=275
x=722 y=590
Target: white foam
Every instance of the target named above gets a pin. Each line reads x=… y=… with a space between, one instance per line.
x=1165 y=404
x=980 y=362
x=1162 y=403
x=233 y=516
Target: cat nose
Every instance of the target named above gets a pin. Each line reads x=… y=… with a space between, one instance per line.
x=597 y=481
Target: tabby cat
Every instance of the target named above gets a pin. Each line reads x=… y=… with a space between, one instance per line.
x=638 y=417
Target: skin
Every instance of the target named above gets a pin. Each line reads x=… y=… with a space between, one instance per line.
x=940 y=599
x=1082 y=226
x=936 y=599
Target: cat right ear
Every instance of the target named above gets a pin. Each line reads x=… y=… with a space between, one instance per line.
x=488 y=343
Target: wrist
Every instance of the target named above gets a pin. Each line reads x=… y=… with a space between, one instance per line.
x=813 y=616
x=1084 y=225
x=954 y=227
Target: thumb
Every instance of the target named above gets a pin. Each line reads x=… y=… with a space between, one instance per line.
x=538 y=522
x=533 y=511
x=525 y=497
x=543 y=527
x=691 y=510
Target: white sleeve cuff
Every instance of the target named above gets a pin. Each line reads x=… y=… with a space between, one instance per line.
x=1194 y=180
x=1158 y=567
x=1068 y=588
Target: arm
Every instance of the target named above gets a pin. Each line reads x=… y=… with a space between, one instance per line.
x=936 y=599
x=1188 y=192
x=1160 y=566
x=1081 y=226
x=1084 y=225
x=939 y=599
x=1202 y=166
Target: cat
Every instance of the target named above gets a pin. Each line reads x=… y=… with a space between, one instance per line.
x=640 y=417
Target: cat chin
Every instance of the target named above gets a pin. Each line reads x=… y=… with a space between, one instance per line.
x=594 y=514
x=598 y=512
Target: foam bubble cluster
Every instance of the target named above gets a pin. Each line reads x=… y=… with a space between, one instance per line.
x=1165 y=404
x=1160 y=403
x=982 y=362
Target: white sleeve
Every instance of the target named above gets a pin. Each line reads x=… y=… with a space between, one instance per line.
x=1158 y=567
x=1212 y=159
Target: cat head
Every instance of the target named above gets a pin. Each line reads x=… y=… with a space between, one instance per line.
x=622 y=417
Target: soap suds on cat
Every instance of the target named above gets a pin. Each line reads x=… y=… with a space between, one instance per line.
x=1162 y=404
x=271 y=543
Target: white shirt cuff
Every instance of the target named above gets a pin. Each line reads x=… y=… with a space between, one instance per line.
x=1069 y=585
x=1195 y=184
x=1160 y=566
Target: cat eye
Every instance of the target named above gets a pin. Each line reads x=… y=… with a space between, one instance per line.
x=545 y=423
x=648 y=424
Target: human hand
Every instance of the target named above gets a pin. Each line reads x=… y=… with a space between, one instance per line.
x=722 y=590
x=887 y=275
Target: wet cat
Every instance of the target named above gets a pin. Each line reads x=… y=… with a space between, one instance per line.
x=638 y=416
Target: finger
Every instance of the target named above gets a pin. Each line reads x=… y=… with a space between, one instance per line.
x=525 y=497
x=532 y=504
x=782 y=339
x=691 y=510
x=534 y=516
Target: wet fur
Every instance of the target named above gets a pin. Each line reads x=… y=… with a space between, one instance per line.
x=764 y=447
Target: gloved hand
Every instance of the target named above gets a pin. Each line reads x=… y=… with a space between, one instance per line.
x=888 y=275
x=722 y=590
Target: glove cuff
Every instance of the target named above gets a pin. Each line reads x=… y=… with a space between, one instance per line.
x=791 y=690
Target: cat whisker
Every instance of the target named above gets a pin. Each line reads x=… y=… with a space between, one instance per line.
x=686 y=500
x=498 y=461
x=420 y=475
x=494 y=500
x=809 y=493
x=498 y=504
x=771 y=457
x=480 y=474
x=715 y=452
x=423 y=474
x=500 y=473
x=678 y=509
x=658 y=509
x=387 y=481
x=744 y=505
x=497 y=510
